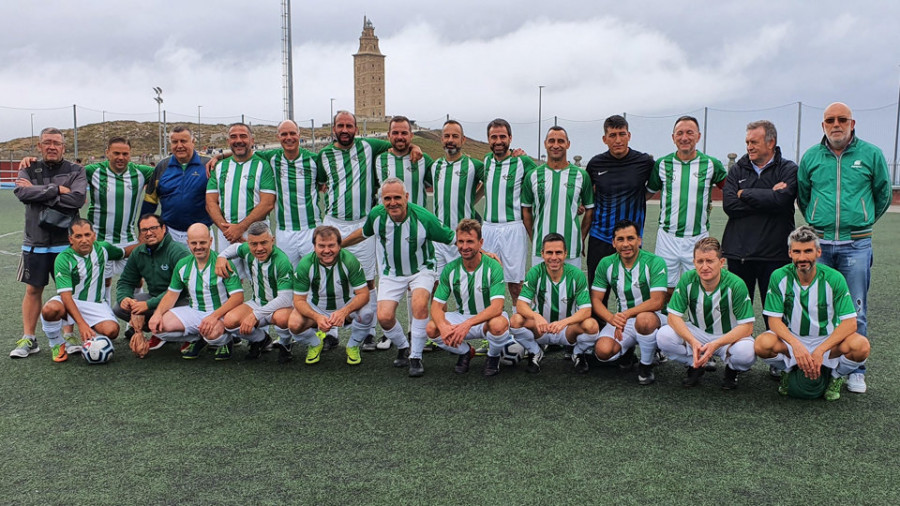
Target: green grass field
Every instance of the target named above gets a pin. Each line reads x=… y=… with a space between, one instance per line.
x=167 y=431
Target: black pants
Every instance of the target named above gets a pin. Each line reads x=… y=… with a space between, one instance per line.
x=755 y=273
x=597 y=249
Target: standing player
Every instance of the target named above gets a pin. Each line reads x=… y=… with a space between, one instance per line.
x=710 y=313
x=396 y=162
x=554 y=306
x=551 y=196
x=476 y=283
x=638 y=279
x=812 y=320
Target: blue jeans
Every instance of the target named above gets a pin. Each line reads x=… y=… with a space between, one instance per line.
x=854 y=261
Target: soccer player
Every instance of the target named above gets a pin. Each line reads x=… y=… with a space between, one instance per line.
x=710 y=313
x=396 y=162
x=638 y=279
x=405 y=233
x=551 y=196
x=81 y=295
x=504 y=231
x=554 y=306
x=329 y=290
x=272 y=283
x=684 y=179
x=812 y=320
x=211 y=296
x=476 y=283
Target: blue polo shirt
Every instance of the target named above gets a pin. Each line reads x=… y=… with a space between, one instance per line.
x=181 y=191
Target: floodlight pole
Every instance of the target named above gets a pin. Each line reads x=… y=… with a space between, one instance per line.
x=159 y=102
x=540 y=106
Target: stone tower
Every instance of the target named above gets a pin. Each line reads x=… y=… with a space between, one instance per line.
x=368 y=76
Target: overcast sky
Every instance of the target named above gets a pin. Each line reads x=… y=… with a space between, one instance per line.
x=473 y=60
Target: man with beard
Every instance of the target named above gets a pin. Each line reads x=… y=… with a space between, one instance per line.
x=396 y=162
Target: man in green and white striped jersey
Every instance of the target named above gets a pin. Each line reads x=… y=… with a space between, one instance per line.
x=404 y=233
x=551 y=196
x=81 y=294
x=475 y=281
x=710 y=313
x=812 y=318
x=271 y=277
x=396 y=162
x=329 y=290
x=554 y=306
x=638 y=278
x=211 y=296
x=297 y=194
x=504 y=231
x=458 y=184
x=685 y=179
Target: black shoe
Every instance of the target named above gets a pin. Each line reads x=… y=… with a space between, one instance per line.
x=402 y=359
x=534 y=362
x=416 y=369
x=710 y=365
x=645 y=374
x=581 y=363
x=329 y=343
x=368 y=344
x=284 y=353
x=659 y=357
x=491 y=366
x=729 y=382
x=256 y=348
x=693 y=377
x=128 y=333
x=627 y=360
x=774 y=373
x=462 y=363
x=569 y=350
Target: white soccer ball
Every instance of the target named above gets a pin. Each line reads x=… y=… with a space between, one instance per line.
x=512 y=353
x=98 y=350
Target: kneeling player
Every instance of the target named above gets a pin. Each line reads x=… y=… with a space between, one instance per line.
x=710 y=313
x=323 y=299
x=554 y=306
x=476 y=283
x=638 y=279
x=812 y=319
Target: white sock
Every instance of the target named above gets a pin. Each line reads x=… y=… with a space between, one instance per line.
x=52 y=329
x=496 y=343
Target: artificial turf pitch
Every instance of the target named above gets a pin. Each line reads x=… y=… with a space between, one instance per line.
x=168 y=431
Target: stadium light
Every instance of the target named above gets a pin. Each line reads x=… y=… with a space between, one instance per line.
x=159 y=102
x=540 y=103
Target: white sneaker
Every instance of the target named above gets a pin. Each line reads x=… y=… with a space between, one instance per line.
x=383 y=344
x=857 y=383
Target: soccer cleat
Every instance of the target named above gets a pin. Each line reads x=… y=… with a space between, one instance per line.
x=256 y=348
x=129 y=332
x=581 y=363
x=833 y=392
x=369 y=343
x=627 y=360
x=184 y=347
x=856 y=383
x=729 y=381
x=491 y=366
x=193 y=349
x=284 y=353
x=774 y=372
x=660 y=358
x=58 y=353
x=73 y=344
x=431 y=346
x=711 y=365
x=534 y=361
x=463 y=361
x=402 y=359
x=329 y=342
x=314 y=353
x=24 y=347
x=569 y=351
x=224 y=352
x=156 y=343
x=783 y=386
x=416 y=369
x=383 y=344
x=482 y=348
x=353 y=357
x=645 y=374
x=692 y=378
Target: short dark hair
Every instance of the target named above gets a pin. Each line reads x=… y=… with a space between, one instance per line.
x=615 y=121
x=497 y=123
x=118 y=140
x=469 y=225
x=400 y=119
x=708 y=244
x=239 y=124
x=557 y=128
x=181 y=128
x=148 y=216
x=78 y=221
x=342 y=111
x=623 y=224
x=454 y=122
x=686 y=118
x=326 y=231
x=554 y=237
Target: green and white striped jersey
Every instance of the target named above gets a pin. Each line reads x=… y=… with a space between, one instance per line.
x=268 y=278
x=503 y=187
x=207 y=290
x=416 y=177
x=239 y=185
x=472 y=291
x=84 y=275
x=554 y=196
x=814 y=310
x=454 y=189
x=716 y=312
x=296 y=190
x=631 y=286
x=686 y=198
x=405 y=248
x=555 y=301
x=350 y=176
x=115 y=200
x=329 y=287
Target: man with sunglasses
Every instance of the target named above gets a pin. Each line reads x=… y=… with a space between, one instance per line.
x=843 y=188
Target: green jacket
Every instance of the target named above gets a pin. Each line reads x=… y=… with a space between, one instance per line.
x=155 y=268
x=843 y=196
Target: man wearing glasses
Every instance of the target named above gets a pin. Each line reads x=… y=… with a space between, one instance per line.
x=843 y=188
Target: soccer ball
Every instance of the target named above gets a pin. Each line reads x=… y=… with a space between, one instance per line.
x=98 y=350
x=512 y=353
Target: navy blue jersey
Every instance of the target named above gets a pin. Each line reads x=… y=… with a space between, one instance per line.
x=620 y=186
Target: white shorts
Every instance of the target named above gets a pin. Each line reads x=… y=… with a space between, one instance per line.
x=295 y=243
x=811 y=343
x=575 y=262
x=394 y=287
x=477 y=331
x=364 y=251
x=678 y=252
x=444 y=254
x=115 y=267
x=254 y=306
x=365 y=315
x=190 y=318
x=510 y=242
x=221 y=244
x=92 y=312
x=629 y=338
x=558 y=338
x=178 y=235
